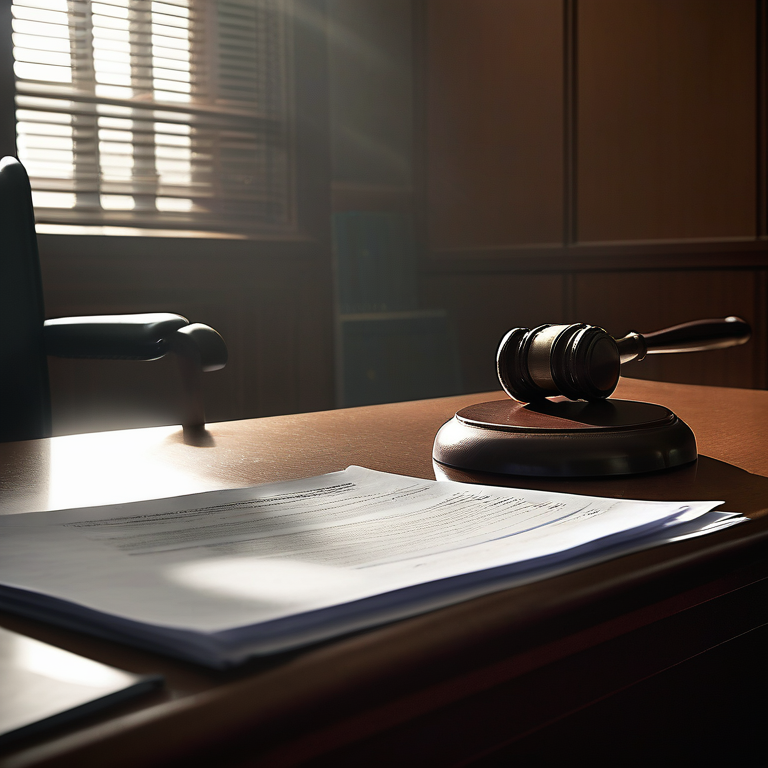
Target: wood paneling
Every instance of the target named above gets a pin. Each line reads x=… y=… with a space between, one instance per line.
x=371 y=97
x=648 y=301
x=484 y=307
x=654 y=131
x=666 y=119
x=494 y=120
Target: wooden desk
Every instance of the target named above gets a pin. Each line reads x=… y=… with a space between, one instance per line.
x=607 y=665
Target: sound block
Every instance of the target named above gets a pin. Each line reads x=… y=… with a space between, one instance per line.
x=562 y=438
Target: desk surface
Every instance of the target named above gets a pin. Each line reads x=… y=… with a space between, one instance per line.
x=432 y=682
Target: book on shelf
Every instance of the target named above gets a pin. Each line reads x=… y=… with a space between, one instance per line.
x=375 y=261
x=219 y=577
x=390 y=357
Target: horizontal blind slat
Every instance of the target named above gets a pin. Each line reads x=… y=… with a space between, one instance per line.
x=132 y=111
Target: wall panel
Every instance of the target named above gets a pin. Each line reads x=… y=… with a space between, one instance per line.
x=666 y=119
x=649 y=301
x=494 y=104
x=272 y=305
x=656 y=124
x=484 y=307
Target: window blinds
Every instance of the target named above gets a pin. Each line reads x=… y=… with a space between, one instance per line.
x=155 y=114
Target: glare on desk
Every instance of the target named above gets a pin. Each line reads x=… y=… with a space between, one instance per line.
x=97 y=469
x=33 y=656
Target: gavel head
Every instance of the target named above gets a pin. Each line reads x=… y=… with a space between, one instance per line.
x=579 y=361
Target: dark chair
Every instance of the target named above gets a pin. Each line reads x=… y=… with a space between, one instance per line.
x=26 y=338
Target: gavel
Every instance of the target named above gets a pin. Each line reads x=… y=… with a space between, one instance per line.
x=583 y=362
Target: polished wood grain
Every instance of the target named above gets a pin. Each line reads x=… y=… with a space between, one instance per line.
x=468 y=673
x=120 y=466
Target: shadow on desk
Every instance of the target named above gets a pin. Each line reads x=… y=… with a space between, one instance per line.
x=704 y=480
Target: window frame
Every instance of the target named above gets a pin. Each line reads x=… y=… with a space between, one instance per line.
x=309 y=140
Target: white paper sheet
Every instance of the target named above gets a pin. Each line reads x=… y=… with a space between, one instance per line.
x=226 y=559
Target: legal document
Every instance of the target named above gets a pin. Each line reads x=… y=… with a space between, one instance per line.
x=221 y=576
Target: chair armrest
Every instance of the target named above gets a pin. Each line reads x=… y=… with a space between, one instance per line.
x=113 y=337
x=202 y=344
x=196 y=347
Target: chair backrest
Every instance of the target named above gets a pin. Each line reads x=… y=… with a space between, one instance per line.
x=25 y=409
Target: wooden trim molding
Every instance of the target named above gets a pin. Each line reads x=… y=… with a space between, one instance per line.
x=676 y=254
x=371 y=197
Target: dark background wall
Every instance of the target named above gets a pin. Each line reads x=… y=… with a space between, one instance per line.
x=564 y=160
x=600 y=162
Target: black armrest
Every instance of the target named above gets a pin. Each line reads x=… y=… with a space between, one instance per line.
x=197 y=348
x=200 y=343
x=113 y=337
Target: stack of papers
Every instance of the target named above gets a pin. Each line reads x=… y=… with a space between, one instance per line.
x=222 y=576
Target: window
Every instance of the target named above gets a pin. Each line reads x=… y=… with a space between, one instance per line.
x=172 y=114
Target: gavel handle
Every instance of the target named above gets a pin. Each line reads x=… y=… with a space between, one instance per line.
x=687 y=337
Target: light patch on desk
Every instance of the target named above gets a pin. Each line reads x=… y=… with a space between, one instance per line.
x=92 y=469
x=282 y=582
x=61 y=665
